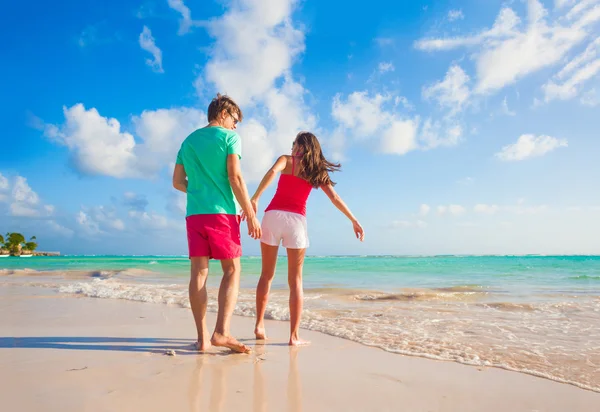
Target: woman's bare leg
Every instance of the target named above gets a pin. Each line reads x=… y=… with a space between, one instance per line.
x=295 y=264
x=269 y=260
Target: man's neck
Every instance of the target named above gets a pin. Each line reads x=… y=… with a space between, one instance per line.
x=214 y=123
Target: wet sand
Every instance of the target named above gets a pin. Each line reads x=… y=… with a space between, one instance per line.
x=65 y=353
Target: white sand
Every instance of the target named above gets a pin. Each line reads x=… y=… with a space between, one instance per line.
x=60 y=353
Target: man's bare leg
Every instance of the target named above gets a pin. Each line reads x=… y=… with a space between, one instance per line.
x=295 y=264
x=269 y=260
x=199 y=299
x=228 y=293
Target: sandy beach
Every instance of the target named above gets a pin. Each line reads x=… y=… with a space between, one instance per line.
x=65 y=353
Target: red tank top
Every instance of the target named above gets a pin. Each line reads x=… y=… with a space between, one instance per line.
x=291 y=194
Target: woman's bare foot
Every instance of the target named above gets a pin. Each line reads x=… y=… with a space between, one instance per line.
x=296 y=341
x=202 y=347
x=260 y=333
x=229 y=342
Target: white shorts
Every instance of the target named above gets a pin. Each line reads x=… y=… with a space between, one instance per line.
x=287 y=228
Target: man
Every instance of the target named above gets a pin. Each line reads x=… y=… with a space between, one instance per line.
x=208 y=170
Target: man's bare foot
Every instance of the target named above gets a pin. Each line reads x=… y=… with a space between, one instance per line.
x=229 y=342
x=295 y=341
x=260 y=333
x=202 y=346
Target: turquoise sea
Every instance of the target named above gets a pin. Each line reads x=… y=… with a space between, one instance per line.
x=534 y=314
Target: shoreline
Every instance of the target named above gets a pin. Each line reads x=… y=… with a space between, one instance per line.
x=395 y=324
x=417 y=256
x=71 y=353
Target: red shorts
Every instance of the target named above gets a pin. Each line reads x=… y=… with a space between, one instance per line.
x=216 y=236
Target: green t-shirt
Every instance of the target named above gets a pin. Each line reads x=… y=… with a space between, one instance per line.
x=203 y=155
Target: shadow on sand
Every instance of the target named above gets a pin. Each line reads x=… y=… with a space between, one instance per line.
x=152 y=345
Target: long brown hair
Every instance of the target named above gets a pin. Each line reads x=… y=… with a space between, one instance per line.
x=313 y=166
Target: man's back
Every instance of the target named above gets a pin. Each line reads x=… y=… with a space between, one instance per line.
x=203 y=155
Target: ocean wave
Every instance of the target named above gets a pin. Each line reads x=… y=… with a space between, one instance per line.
x=585 y=277
x=450 y=293
x=17 y=272
x=522 y=337
x=509 y=306
x=78 y=274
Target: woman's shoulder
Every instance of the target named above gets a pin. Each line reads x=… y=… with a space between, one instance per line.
x=285 y=158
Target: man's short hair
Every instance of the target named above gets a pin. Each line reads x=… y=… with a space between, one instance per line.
x=220 y=103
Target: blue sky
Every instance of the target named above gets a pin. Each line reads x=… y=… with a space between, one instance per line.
x=462 y=127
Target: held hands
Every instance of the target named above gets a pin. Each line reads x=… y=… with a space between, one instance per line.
x=358 y=230
x=254 y=229
x=254 y=203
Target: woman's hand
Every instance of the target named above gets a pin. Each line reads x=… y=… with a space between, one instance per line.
x=358 y=230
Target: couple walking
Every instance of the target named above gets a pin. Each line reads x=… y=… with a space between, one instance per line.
x=208 y=170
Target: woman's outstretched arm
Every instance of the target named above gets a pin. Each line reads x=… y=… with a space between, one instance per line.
x=342 y=207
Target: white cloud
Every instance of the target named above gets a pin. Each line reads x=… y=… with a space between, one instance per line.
x=257 y=146
x=4 y=185
x=361 y=113
x=510 y=50
x=87 y=224
x=591 y=98
x=21 y=199
x=424 y=210
x=455 y=210
x=451 y=93
x=435 y=133
x=361 y=117
x=255 y=46
x=97 y=144
x=455 y=15
x=466 y=181
x=177 y=203
x=404 y=102
x=580 y=7
x=385 y=67
x=99 y=220
x=162 y=132
x=59 y=229
x=568 y=83
x=562 y=3
x=505 y=109
x=22 y=192
x=400 y=138
x=147 y=43
x=185 y=22
x=99 y=147
x=528 y=146
x=486 y=209
x=149 y=220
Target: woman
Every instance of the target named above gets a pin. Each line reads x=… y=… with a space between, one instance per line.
x=284 y=222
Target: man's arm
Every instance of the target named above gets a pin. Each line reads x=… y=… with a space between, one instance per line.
x=180 y=181
x=240 y=191
x=238 y=185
